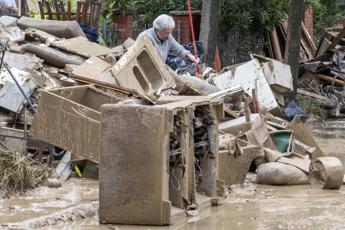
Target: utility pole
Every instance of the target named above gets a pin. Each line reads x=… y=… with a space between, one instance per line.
x=209 y=28
x=293 y=41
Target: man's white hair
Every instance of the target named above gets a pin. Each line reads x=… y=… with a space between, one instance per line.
x=164 y=21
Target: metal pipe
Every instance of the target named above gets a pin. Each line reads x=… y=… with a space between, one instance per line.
x=20 y=88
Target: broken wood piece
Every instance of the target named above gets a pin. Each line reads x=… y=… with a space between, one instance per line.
x=330 y=79
x=82 y=46
x=305 y=148
x=247 y=109
x=276 y=45
x=94 y=70
x=40 y=35
x=61 y=29
x=52 y=56
x=337 y=39
x=309 y=39
x=275 y=125
x=193 y=86
x=302 y=133
x=250 y=76
x=324 y=101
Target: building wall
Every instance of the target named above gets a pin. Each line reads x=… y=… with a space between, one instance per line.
x=309 y=20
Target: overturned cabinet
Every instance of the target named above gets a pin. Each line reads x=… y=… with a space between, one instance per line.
x=70 y=119
x=156 y=157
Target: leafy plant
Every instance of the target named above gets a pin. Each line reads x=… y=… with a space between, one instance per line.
x=120 y=6
x=310 y=106
x=326 y=13
x=252 y=15
x=147 y=11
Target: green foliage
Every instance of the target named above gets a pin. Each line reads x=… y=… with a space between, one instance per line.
x=121 y=6
x=326 y=13
x=147 y=10
x=251 y=14
x=247 y=15
x=310 y=106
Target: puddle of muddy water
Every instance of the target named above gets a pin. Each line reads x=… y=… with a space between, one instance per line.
x=330 y=135
x=249 y=207
x=43 y=200
x=293 y=207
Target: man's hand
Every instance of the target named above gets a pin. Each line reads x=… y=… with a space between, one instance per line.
x=192 y=58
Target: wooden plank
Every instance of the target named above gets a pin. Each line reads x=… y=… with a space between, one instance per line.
x=310 y=41
x=90 y=18
x=63 y=13
x=306 y=48
x=97 y=13
x=310 y=94
x=69 y=10
x=330 y=79
x=270 y=49
x=49 y=11
x=57 y=9
x=276 y=45
x=324 y=44
x=79 y=5
x=41 y=9
x=337 y=39
x=84 y=12
x=41 y=146
x=302 y=133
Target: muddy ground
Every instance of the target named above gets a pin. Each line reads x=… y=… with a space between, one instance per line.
x=74 y=206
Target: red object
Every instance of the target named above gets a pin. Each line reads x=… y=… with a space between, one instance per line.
x=193 y=36
x=217 y=63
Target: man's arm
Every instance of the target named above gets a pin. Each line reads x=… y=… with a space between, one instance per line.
x=179 y=50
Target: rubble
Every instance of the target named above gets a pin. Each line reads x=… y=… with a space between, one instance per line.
x=82 y=47
x=121 y=111
x=61 y=29
x=322 y=76
x=51 y=56
x=11 y=96
x=188 y=141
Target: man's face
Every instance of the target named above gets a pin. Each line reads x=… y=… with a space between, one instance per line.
x=164 y=34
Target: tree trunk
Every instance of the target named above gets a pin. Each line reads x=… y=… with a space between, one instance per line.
x=293 y=41
x=209 y=28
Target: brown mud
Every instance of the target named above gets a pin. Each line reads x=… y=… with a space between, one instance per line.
x=247 y=207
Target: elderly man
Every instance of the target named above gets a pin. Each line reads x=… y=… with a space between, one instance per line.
x=164 y=42
x=7 y=6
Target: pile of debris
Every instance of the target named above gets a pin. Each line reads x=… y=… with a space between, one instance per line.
x=322 y=72
x=323 y=77
x=276 y=42
x=39 y=59
x=123 y=112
